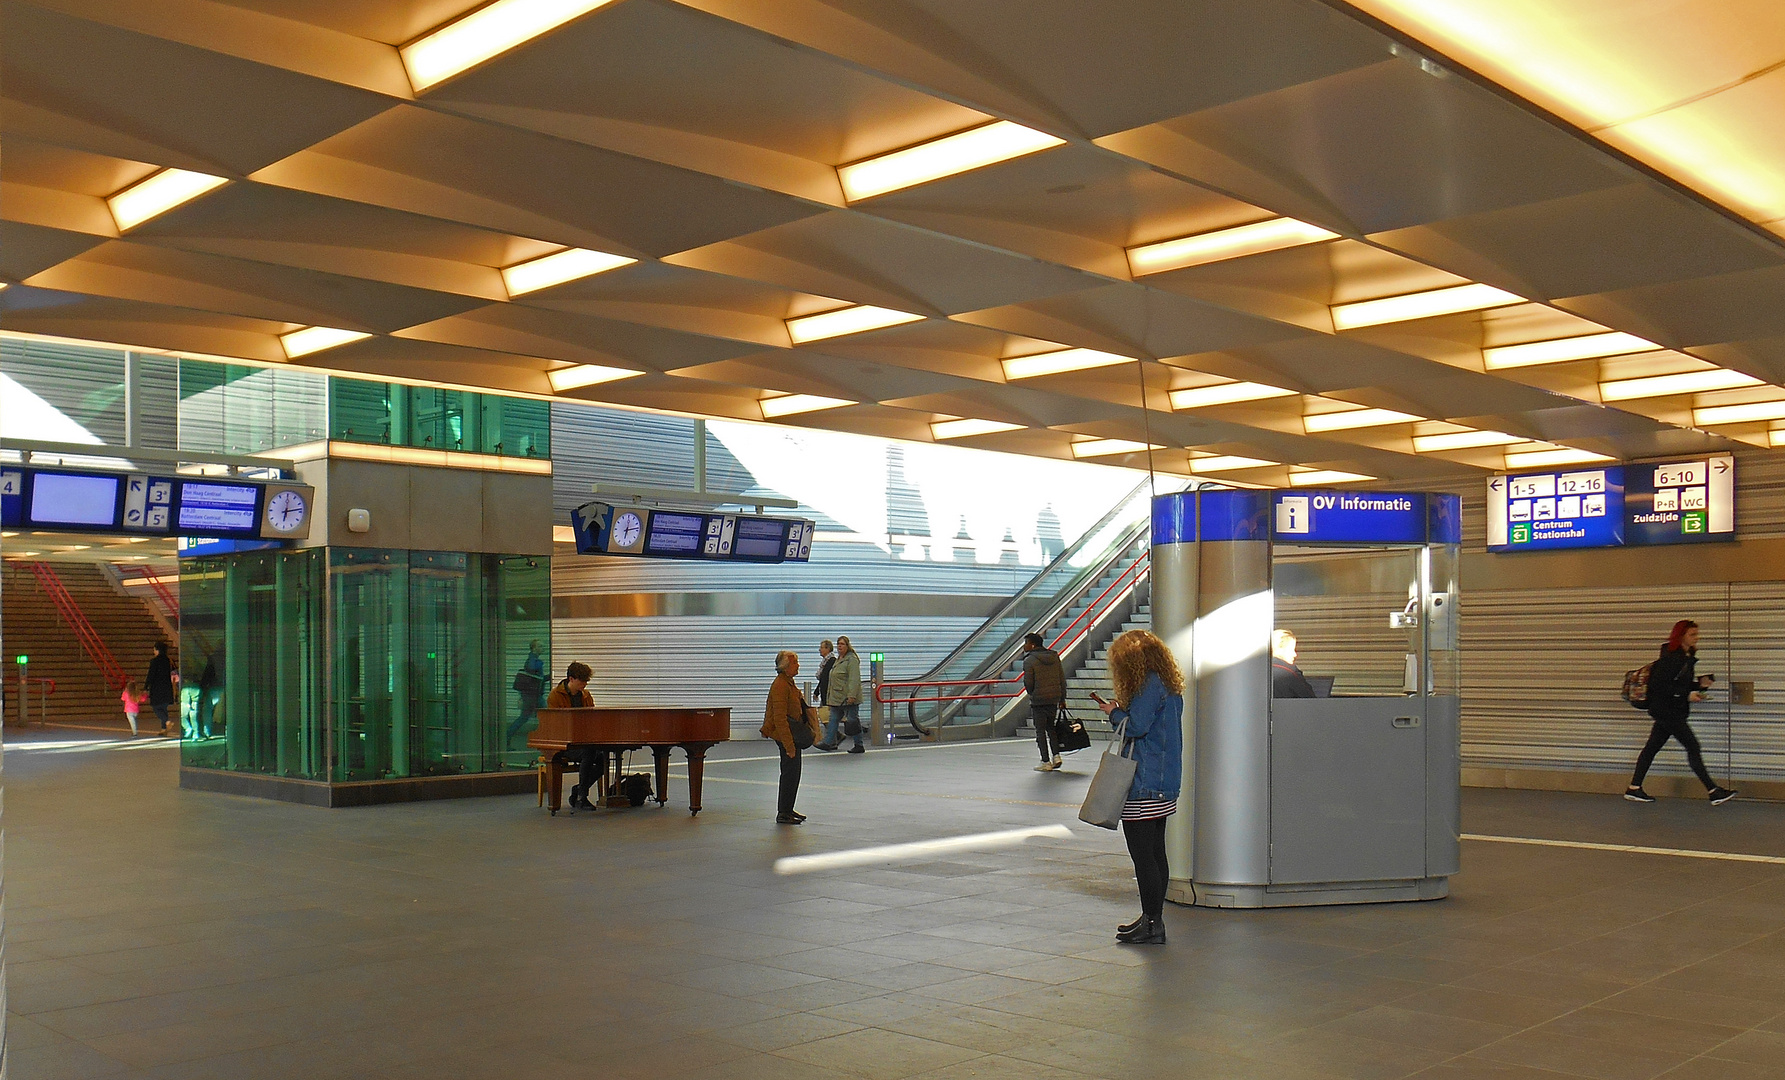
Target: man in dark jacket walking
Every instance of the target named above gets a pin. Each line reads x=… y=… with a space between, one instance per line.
x=1045 y=681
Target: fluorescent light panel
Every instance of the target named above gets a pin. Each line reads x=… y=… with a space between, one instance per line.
x=1776 y=437
x=1356 y=418
x=1055 y=363
x=569 y=378
x=965 y=428
x=1462 y=440
x=1739 y=414
x=1560 y=350
x=794 y=404
x=485 y=33
x=1421 y=305
x=557 y=268
x=1688 y=382
x=1537 y=459
x=314 y=339
x=1105 y=447
x=1227 y=463
x=850 y=320
x=1315 y=477
x=1198 y=397
x=158 y=194
x=961 y=152
x=1254 y=239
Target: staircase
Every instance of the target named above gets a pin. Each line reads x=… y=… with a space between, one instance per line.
x=1093 y=674
x=30 y=624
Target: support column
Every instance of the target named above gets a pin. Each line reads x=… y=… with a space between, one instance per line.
x=288 y=682
x=1174 y=584
x=238 y=680
x=133 y=399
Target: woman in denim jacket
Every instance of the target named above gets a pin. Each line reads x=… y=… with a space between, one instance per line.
x=1150 y=700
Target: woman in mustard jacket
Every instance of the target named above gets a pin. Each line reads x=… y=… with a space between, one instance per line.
x=786 y=709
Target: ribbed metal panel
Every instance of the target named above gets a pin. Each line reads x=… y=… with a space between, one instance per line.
x=840 y=566
x=86 y=383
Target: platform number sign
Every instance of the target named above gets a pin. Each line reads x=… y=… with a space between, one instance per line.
x=1671 y=502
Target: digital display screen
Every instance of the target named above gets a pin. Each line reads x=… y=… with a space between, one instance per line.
x=759 y=538
x=73 y=499
x=675 y=534
x=207 y=507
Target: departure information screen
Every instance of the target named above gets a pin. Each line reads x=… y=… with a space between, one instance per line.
x=74 y=499
x=675 y=534
x=212 y=507
x=759 y=538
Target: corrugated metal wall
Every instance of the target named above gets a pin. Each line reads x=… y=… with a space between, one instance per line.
x=86 y=383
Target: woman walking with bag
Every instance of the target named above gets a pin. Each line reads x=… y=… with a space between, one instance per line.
x=1150 y=704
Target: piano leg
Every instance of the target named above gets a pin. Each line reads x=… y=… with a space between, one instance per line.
x=697 y=762
x=661 y=753
x=556 y=795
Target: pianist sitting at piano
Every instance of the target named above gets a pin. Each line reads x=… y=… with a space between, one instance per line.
x=572 y=694
x=793 y=725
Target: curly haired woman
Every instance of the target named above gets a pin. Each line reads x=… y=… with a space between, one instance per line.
x=1150 y=700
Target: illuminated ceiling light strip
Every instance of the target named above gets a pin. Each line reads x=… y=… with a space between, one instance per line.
x=1356 y=418
x=1325 y=476
x=557 y=268
x=1560 y=350
x=1198 y=397
x=1242 y=240
x=486 y=33
x=961 y=429
x=1105 y=447
x=570 y=378
x=314 y=339
x=1688 y=382
x=158 y=194
x=961 y=152
x=1228 y=463
x=1421 y=305
x=794 y=404
x=1739 y=414
x=850 y=320
x=1055 y=363
x=1462 y=440
x=1536 y=459
x=1776 y=437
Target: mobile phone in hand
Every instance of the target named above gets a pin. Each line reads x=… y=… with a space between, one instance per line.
x=1098 y=698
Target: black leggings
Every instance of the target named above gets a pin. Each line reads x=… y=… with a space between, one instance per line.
x=790 y=779
x=1146 y=846
x=1042 y=716
x=1672 y=728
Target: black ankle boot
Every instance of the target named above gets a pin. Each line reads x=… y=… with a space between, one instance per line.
x=1131 y=927
x=1151 y=931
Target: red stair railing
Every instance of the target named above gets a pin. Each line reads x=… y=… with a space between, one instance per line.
x=168 y=600
x=76 y=619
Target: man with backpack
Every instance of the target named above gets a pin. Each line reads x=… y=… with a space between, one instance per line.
x=1045 y=681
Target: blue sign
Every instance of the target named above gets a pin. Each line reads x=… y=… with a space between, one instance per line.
x=602 y=529
x=1680 y=502
x=1350 y=517
x=1572 y=508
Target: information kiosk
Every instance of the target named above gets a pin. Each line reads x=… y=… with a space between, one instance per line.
x=1348 y=791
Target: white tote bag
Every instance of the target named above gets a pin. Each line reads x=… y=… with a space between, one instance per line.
x=1109 y=788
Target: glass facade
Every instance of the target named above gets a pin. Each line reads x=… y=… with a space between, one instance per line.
x=239 y=409
x=436 y=418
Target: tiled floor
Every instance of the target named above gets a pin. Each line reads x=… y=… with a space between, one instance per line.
x=159 y=933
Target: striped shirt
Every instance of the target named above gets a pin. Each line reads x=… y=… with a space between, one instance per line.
x=1148 y=809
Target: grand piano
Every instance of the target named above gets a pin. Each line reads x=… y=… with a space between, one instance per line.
x=564 y=733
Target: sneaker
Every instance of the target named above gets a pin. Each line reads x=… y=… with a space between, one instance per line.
x=1057 y=762
x=826 y=747
x=1637 y=794
x=858 y=748
x=1046 y=766
x=1721 y=795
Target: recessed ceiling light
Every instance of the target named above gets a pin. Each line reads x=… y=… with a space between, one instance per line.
x=1254 y=239
x=961 y=429
x=569 y=378
x=1688 y=382
x=1105 y=447
x=314 y=339
x=1776 y=437
x=1739 y=414
x=1566 y=455
x=1054 y=363
x=1227 y=463
x=158 y=194
x=485 y=33
x=1462 y=440
x=850 y=320
x=1421 y=305
x=557 y=268
x=1559 y=350
x=989 y=144
x=1354 y=418
x=1325 y=476
x=1230 y=393
x=793 y=404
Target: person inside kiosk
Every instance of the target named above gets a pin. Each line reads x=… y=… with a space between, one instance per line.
x=1287 y=680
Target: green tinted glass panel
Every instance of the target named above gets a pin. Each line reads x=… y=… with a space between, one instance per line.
x=442 y=419
x=366 y=412
x=517 y=427
x=236 y=409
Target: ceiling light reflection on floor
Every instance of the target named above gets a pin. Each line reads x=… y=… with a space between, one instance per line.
x=1421 y=305
x=961 y=152
x=1687 y=382
x=794 y=404
x=850 y=320
x=1237 y=242
x=158 y=194
x=1561 y=350
x=557 y=268
x=1355 y=418
x=968 y=427
x=314 y=339
x=1056 y=363
x=1231 y=393
x=486 y=33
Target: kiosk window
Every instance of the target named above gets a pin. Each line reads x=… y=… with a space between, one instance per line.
x=1355 y=614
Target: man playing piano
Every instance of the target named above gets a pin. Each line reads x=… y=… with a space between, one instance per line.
x=572 y=694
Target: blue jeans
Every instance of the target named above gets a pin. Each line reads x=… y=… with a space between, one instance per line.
x=833 y=730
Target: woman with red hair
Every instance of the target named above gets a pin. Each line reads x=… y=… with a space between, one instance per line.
x=1674 y=684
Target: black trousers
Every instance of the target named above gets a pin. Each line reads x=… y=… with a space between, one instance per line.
x=790 y=779
x=1146 y=846
x=589 y=770
x=1672 y=728
x=1042 y=716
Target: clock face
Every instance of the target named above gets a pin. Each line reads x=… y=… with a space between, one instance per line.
x=285 y=511
x=626 y=529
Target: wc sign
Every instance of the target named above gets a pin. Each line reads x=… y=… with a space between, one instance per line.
x=1347 y=517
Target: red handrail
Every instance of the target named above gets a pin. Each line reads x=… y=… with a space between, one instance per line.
x=48 y=686
x=168 y=600
x=71 y=613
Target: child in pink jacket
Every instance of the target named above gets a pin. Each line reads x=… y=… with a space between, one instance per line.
x=133 y=697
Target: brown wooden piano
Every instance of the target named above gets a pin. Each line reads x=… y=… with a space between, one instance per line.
x=564 y=732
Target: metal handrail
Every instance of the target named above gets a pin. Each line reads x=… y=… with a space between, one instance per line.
x=77 y=621
x=168 y=600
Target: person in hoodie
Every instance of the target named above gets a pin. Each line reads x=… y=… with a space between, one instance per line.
x=1674 y=684
x=1045 y=681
